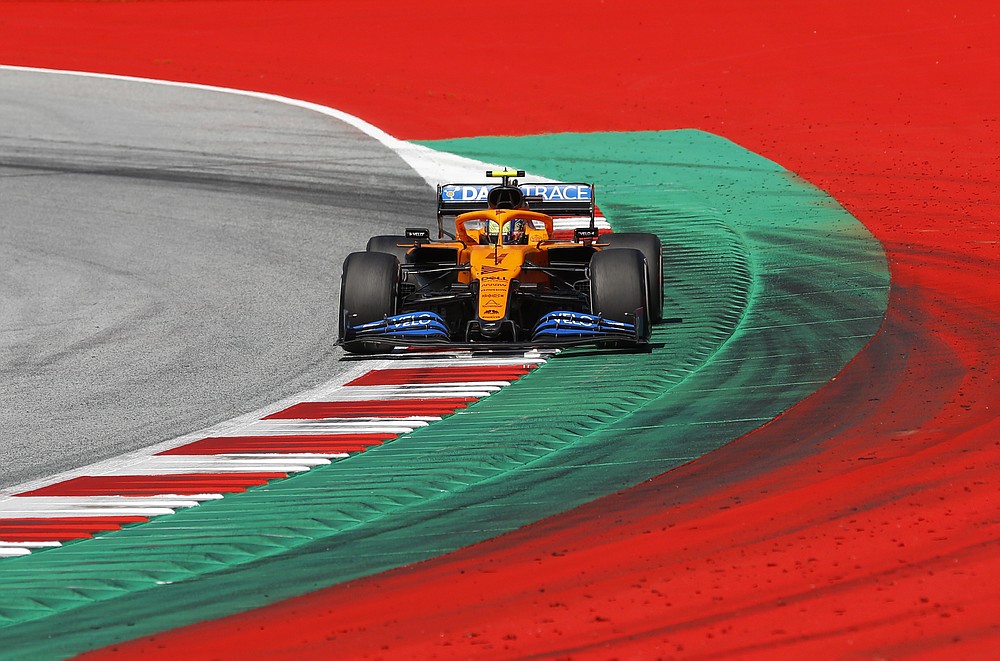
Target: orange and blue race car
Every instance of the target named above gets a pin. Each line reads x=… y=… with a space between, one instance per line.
x=502 y=279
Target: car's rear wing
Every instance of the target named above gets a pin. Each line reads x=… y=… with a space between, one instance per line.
x=552 y=199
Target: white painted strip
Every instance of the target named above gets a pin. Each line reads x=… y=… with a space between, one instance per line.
x=180 y=464
x=290 y=427
x=8 y=552
x=443 y=389
x=235 y=468
x=568 y=223
x=421 y=387
x=413 y=359
x=331 y=425
x=197 y=496
x=53 y=511
x=29 y=545
x=363 y=393
x=122 y=503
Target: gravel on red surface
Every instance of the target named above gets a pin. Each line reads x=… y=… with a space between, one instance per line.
x=865 y=521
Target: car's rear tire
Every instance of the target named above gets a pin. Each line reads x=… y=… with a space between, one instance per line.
x=388 y=243
x=369 y=291
x=652 y=249
x=619 y=286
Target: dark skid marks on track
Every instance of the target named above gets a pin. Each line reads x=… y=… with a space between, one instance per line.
x=300 y=181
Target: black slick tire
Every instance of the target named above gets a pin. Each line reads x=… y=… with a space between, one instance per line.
x=369 y=291
x=619 y=287
x=652 y=249
x=389 y=244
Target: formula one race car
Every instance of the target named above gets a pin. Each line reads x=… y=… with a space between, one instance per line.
x=502 y=280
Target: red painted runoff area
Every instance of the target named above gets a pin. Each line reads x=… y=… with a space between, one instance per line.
x=289 y=443
x=864 y=522
x=388 y=408
x=428 y=375
x=155 y=485
x=45 y=535
x=61 y=528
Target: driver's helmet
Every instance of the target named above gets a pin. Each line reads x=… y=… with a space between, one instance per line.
x=513 y=231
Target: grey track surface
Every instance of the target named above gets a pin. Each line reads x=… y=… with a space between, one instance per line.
x=169 y=258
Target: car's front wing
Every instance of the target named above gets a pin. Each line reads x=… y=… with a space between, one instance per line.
x=559 y=328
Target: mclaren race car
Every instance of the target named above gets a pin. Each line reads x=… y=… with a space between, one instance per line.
x=502 y=280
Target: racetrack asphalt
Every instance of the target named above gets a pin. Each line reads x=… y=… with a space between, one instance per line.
x=169 y=258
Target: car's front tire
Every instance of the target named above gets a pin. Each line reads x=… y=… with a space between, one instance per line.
x=619 y=286
x=369 y=291
x=652 y=249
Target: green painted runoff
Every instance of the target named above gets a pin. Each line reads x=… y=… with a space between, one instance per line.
x=777 y=288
